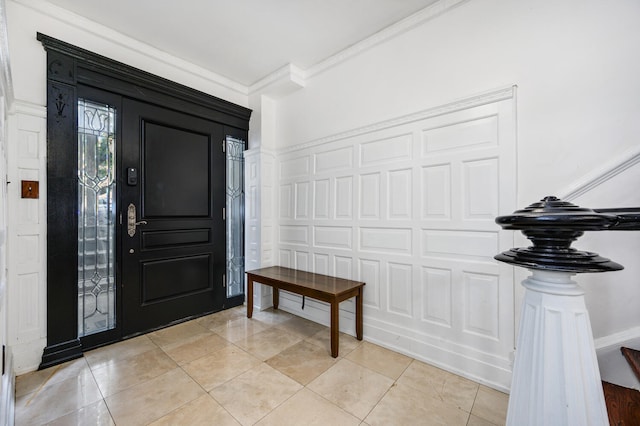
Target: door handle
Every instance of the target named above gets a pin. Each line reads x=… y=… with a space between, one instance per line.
x=131 y=220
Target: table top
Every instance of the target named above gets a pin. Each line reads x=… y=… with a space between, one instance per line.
x=319 y=282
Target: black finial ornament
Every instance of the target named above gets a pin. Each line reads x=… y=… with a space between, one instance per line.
x=552 y=225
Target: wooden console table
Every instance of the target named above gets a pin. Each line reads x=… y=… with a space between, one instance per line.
x=321 y=287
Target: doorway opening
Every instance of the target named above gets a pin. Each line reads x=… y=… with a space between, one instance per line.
x=145 y=210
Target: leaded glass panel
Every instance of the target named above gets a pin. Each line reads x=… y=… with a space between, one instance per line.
x=235 y=216
x=96 y=217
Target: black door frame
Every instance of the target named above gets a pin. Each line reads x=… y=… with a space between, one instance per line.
x=67 y=67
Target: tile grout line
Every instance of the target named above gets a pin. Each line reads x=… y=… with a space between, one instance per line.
x=37 y=391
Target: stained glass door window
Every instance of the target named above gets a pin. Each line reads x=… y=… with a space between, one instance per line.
x=235 y=216
x=96 y=217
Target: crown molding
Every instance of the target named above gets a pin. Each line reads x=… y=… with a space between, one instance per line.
x=28 y=108
x=470 y=102
x=296 y=77
x=127 y=43
x=436 y=9
x=281 y=82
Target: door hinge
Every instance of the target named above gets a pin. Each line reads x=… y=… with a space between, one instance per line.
x=224 y=213
x=224 y=280
x=224 y=146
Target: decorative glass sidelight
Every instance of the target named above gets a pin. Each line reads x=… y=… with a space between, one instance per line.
x=96 y=217
x=235 y=216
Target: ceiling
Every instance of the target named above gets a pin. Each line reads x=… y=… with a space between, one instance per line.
x=246 y=40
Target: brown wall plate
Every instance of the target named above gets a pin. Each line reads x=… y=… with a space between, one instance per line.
x=30 y=189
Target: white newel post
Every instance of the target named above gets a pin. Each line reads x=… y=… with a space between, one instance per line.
x=556 y=380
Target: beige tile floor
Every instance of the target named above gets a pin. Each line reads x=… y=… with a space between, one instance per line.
x=274 y=369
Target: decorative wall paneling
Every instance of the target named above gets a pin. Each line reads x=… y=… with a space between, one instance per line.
x=408 y=206
x=27 y=237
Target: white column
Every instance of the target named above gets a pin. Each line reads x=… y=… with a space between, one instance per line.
x=556 y=380
x=260 y=194
x=259 y=227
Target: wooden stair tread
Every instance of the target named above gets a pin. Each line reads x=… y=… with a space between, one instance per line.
x=633 y=358
x=623 y=405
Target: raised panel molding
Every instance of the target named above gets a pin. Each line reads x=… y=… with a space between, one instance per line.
x=436 y=193
x=482 y=245
x=436 y=296
x=369 y=271
x=370 y=195
x=28 y=324
x=334 y=160
x=343 y=267
x=286 y=201
x=407 y=206
x=478 y=132
x=321 y=263
x=399 y=205
x=302 y=261
x=285 y=258
x=333 y=237
x=29 y=251
x=387 y=240
x=252 y=202
x=481 y=189
x=293 y=234
x=321 y=199
x=344 y=197
x=481 y=305
x=302 y=200
x=400 y=289
x=28 y=145
x=294 y=167
x=26 y=284
x=388 y=150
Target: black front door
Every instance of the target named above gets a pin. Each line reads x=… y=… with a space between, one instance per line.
x=171 y=205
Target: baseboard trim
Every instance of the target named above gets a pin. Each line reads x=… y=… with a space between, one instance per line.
x=7 y=403
x=617 y=339
x=62 y=352
x=598 y=176
x=482 y=368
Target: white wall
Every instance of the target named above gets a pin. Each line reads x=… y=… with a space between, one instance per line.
x=575 y=64
x=28 y=60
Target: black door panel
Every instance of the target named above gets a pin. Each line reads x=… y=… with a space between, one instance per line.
x=174 y=263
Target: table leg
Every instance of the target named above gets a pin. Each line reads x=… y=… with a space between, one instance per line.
x=335 y=328
x=276 y=297
x=359 y=315
x=249 y=297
